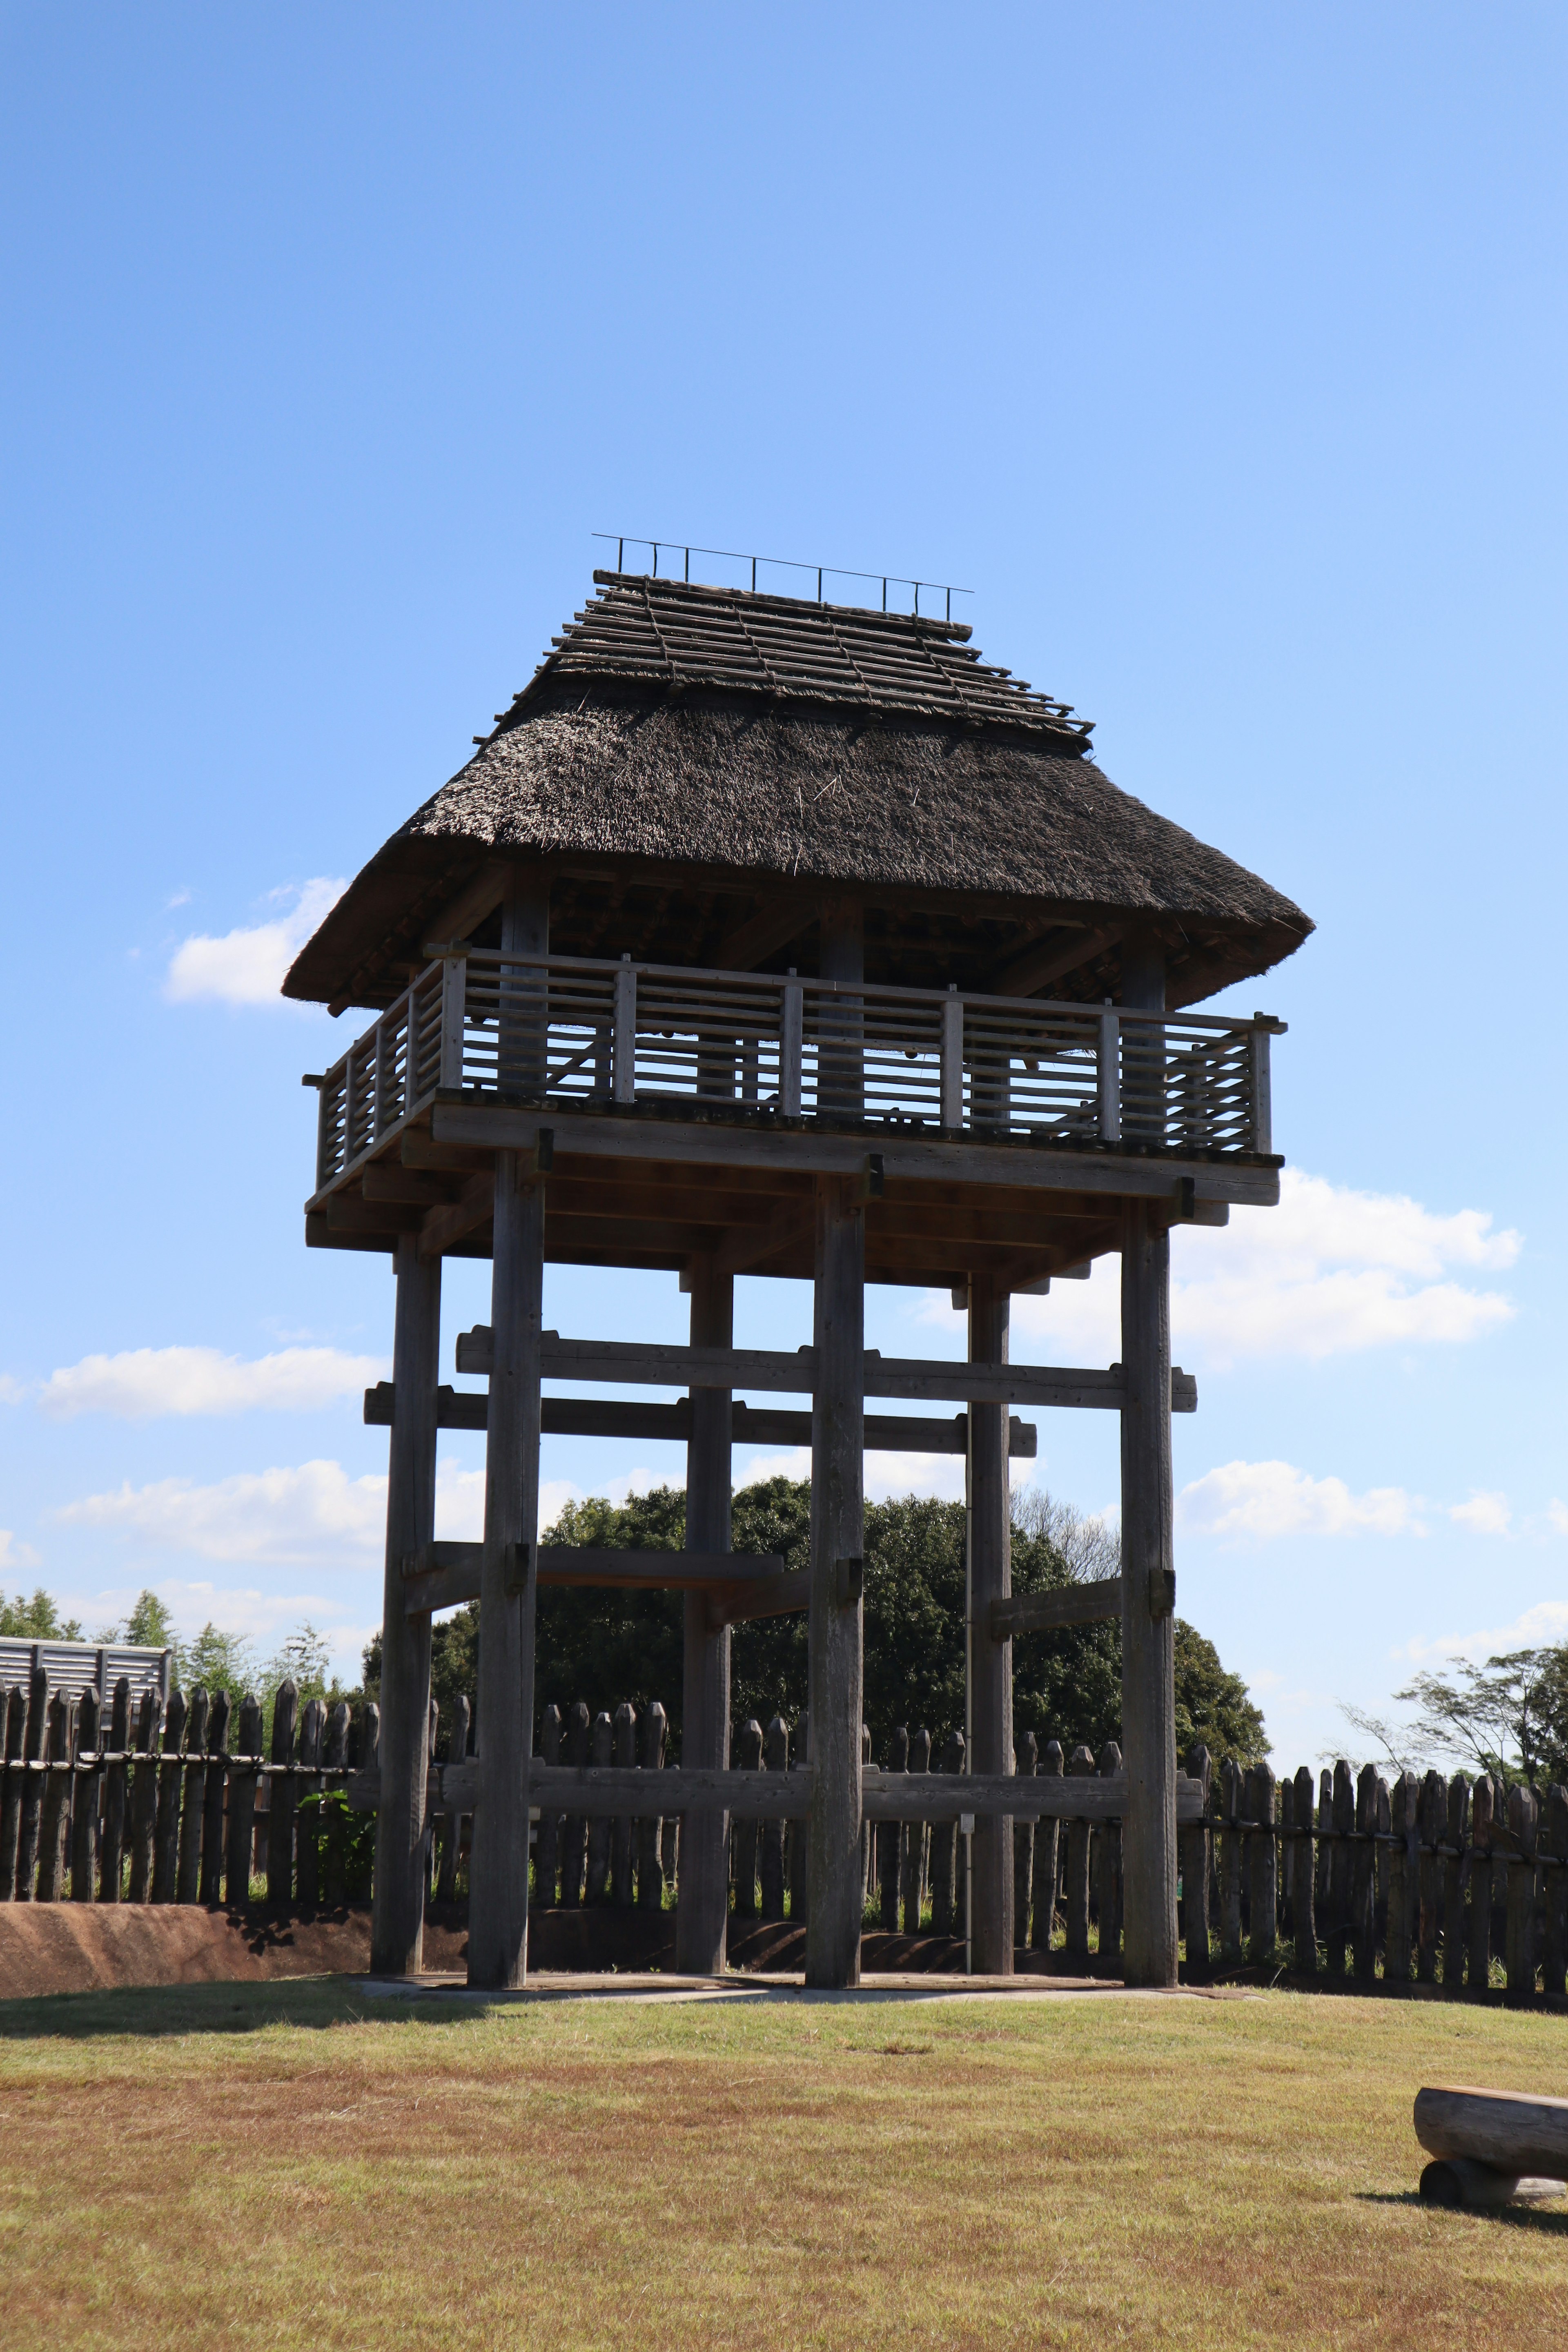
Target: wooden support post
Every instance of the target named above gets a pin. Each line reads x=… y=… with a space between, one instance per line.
x=650 y=1868
x=1401 y=1802
x=1263 y=1875
x=890 y=1839
x=51 y=1814
x=1080 y=1764
x=498 y=1868
x=1048 y=1849
x=241 y=1830
x=213 y=1792
x=1454 y=1884
x=188 y=1865
x=34 y=1749
x=915 y=1841
x=547 y=1844
x=1148 y=1575
x=626 y=1748
x=280 y=1811
x=1026 y=1761
x=601 y=1752
x=990 y=1725
x=397 y=1916
x=144 y=1800
x=84 y=1799
x=1105 y=1873
x=834 y=1901
x=171 y=1772
x=1479 y=1975
x=1363 y=1907
x=771 y=1858
x=748 y=1759
x=1195 y=1856
x=702 y=1912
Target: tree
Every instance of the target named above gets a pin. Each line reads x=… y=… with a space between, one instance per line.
x=216 y=1661
x=606 y=1646
x=37 y=1619
x=303 y=1660
x=150 y=1625
x=1509 y=1716
x=1212 y=1706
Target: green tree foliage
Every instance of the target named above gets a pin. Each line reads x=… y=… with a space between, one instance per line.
x=37 y=1619
x=150 y=1625
x=1509 y=1716
x=1212 y=1706
x=603 y=1647
x=217 y=1661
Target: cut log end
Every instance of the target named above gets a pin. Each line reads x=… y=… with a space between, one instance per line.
x=1459 y=2183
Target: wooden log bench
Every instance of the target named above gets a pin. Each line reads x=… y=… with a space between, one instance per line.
x=1491 y=2148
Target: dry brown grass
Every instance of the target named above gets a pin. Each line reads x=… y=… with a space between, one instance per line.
x=292 y=2164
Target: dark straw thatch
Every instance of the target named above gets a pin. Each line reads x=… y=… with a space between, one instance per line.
x=688 y=758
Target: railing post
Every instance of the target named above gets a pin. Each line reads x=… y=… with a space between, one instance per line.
x=325 y=1156
x=952 y=1059
x=792 y=1047
x=454 y=983
x=1259 y=1096
x=380 y=1114
x=1110 y=1080
x=624 y=1048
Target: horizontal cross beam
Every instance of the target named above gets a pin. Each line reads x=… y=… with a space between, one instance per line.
x=442 y=1575
x=654 y=1365
x=1040 y=1613
x=610 y=1417
x=596 y=1792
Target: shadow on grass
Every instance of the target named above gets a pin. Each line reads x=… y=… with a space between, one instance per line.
x=1550 y=2219
x=149 y=2012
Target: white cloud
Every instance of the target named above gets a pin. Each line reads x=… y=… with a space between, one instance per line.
x=140 y=1382
x=1262 y=1500
x=886 y=1475
x=13 y=1554
x=1330 y=1271
x=247 y=966
x=1545 y=1621
x=1484 y=1515
x=311 y=1513
x=1557 y=1515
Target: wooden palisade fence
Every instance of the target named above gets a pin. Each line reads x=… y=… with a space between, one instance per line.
x=1457 y=1884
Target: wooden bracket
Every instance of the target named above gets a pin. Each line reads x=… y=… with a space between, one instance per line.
x=871 y=1183
x=1162 y=1592
x=849 y=1582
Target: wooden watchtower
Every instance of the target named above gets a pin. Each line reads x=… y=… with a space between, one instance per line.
x=781 y=938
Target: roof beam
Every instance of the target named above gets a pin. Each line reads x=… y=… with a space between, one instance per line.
x=749 y=943
x=1052 y=959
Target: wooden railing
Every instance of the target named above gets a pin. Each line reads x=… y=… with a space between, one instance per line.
x=572 y=1031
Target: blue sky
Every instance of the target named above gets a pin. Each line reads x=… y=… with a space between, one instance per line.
x=1220 y=350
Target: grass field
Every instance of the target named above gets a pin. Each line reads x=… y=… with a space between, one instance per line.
x=298 y=2163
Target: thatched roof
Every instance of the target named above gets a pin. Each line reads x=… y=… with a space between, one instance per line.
x=695 y=763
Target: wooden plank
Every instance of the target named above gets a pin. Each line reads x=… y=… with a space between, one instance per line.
x=773 y=1596
x=442 y=1228
x=915 y=1378
x=592 y=1792
x=749 y=1425
x=1038 y=1612
x=171 y=1772
x=824 y=1152
x=34 y=1747
x=240 y=1839
x=442 y=1575
x=52 y=1812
